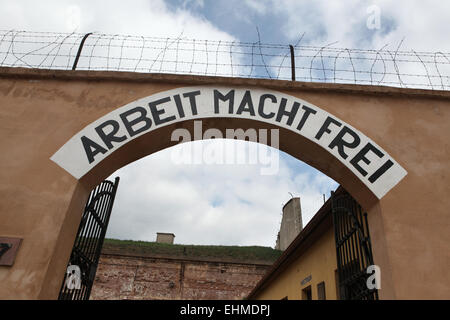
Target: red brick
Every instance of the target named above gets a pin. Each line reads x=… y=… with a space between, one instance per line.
x=125 y=277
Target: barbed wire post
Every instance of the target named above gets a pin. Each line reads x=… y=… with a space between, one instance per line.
x=292 y=62
x=80 y=48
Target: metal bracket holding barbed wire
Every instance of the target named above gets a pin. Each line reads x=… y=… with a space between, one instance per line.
x=291 y=48
x=80 y=48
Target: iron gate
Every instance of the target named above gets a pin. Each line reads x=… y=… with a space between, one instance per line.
x=353 y=248
x=80 y=274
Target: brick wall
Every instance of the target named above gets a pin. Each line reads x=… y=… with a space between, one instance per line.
x=133 y=277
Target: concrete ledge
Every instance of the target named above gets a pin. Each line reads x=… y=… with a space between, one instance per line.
x=283 y=85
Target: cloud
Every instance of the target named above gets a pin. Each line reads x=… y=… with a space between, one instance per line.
x=139 y=17
x=211 y=204
x=424 y=25
x=260 y=7
x=410 y=26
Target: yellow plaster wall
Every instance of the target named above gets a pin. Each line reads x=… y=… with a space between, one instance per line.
x=319 y=261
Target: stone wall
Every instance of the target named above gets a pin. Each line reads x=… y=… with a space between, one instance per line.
x=132 y=277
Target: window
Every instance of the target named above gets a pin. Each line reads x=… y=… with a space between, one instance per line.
x=321 y=291
x=306 y=293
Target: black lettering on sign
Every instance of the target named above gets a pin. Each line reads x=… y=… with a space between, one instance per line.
x=109 y=138
x=156 y=113
x=191 y=96
x=228 y=97
x=179 y=105
x=92 y=148
x=325 y=125
x=142 y=118
x=340 y=143
x=262 y=100
x=374 y=177
x=246 y=101
x=305 y=116
x=361 y=156
x=290 y=114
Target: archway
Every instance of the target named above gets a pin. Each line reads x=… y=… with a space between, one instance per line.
x=297 y=127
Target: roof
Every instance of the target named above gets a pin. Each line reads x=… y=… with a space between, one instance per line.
x=321 y=221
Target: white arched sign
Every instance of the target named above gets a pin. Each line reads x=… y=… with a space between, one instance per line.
x=368 y=161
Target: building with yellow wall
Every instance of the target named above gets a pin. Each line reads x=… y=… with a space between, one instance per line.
x=308 y=268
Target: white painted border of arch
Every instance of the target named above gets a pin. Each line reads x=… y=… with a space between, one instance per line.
x=72 y=157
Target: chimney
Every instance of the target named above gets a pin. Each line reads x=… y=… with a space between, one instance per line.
x=291 y=223
x=162 y=237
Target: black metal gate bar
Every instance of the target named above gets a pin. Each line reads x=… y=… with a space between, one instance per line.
x=89 y=241
x=353 y=248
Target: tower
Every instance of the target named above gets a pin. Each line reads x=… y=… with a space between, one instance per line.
x=291 y=223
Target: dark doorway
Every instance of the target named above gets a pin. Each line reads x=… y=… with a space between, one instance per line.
x=306 y=293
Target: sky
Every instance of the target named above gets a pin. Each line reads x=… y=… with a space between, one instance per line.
x=233 y=204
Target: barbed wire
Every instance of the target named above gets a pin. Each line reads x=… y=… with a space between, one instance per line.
x=180 y=55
